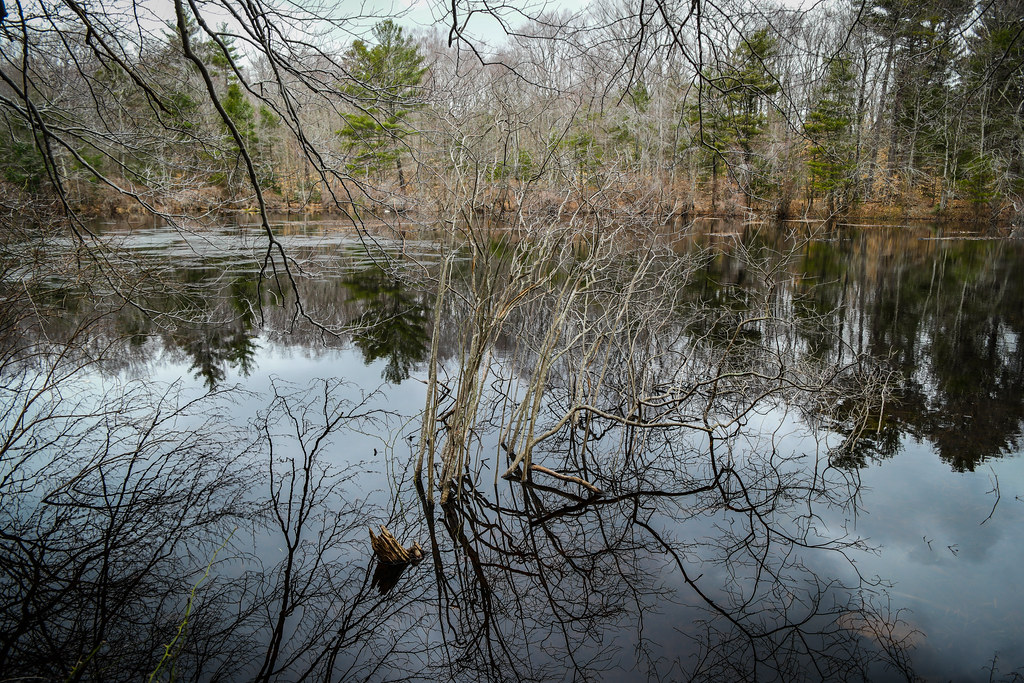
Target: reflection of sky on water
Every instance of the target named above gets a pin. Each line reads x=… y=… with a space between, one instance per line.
x=300 y=367
x=959 y=577
x=955 y=576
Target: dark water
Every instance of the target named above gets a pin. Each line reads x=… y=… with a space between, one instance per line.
x=187 y=489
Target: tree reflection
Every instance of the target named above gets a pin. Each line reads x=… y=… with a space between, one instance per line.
x=946 y=315
x=536 y=583
x=657 y=417
x=532 y=582
x=392 y=321
x=214 y=349
x=213 y=314
x=112 y=504
x=722 y=424
x=142 y=537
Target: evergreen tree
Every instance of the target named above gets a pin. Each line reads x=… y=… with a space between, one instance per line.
x=991 y=164
x=734 y=110
x=220 y=56
x=748 y=83
x=831 y=161
x=921 y=38
x=385 y=90
x=21 y=164
x=243 y=116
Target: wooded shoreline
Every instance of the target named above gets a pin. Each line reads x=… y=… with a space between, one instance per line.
x=882 y=109
x=112 y=205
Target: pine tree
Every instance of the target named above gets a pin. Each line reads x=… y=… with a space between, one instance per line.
x=21 y=163
x=385 y=90
x=734 y=109
x=991 y=163
x=921 y=38
x=831 y=160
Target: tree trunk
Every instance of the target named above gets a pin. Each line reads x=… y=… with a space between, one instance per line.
x=401 y=175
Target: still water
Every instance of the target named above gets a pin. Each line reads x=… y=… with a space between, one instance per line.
x=188 y=482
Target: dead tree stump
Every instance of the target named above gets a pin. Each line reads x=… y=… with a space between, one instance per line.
x=389 y=551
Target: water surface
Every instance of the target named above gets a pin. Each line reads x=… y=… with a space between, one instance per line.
x=198 y=503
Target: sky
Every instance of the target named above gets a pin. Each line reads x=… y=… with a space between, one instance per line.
x=479 y=19
x=481 y=25
x=357 y=17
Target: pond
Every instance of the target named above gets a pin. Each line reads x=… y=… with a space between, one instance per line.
x=750 y=452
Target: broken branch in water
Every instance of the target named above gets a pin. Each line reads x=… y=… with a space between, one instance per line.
x=544 y=470
x=390 y=551
x=995 y=490
x=566 y=477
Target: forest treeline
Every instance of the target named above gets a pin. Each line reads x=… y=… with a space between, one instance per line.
x=880 y=107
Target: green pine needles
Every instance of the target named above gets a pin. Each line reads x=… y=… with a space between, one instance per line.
x=384 y=91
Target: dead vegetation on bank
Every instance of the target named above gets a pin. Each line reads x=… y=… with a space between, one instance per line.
x=502 y=203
